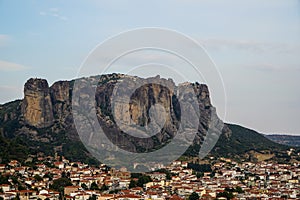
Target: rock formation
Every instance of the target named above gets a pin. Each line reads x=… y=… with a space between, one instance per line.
x=45 y=113
x=44 y=107
x=37 y=107
x=61 y=99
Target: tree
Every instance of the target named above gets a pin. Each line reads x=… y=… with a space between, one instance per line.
x=132 y=183
x=14 y=179
x=75 y=165
x=136 y=175
x=116 y=191
x=17 y=197
x=84 y=186
x=38 y=178
x=21 y=187
x=63 y=175
x=168 y=176
x=200 y=168
x=239 y=190
x=143 y=180
x=104 y=188
x=60 y=184
x=93 y=197
x=227 y=195
x=49 y=164
x=3 y=179
x=49 y=176
x=194 y=196
x=94 y=186
x=199 y=174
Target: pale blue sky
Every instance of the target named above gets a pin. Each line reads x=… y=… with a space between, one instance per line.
x=254 y=43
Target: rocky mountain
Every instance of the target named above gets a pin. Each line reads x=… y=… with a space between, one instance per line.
x=42 y=122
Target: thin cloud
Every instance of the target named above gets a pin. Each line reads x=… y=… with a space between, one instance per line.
x=53 y=12
x=252 y=46
x=9 y=66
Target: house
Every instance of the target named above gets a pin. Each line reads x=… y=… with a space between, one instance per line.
x=7 y=196
x=176 y=163
x=27 y=194
x=106 y=197
x=5 y=187
x=185 y=191
x=82 y=196
x=124 y=183
x=175 y=197
x=68 y=197
x=120 y=174
x=14 y=163
x=50 y=192
x=136 y=190
x=207 y=197
x=71 y=189
x=129 y=197
x=157 y=176
x=60 y=165
x=46 y=196
x=20 y=170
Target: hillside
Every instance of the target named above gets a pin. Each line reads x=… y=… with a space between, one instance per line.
x=247 y=144
x=244 y=139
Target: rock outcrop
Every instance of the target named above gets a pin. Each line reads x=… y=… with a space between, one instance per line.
x=37 y=107
x=61 y=100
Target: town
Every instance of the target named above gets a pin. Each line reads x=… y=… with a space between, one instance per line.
x=51 y=178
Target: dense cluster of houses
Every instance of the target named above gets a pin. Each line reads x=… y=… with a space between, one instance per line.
x=264 y=180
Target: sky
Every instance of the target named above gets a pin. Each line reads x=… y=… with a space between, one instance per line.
x=255 y=45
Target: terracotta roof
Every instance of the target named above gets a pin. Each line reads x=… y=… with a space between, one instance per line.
x=72 y=186
x=175 y=197
x=26 y=191
x=129 y=196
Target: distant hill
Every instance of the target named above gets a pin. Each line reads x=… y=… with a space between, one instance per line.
x=243 y=139
x=290 y=140
x=42 y=123
x=246 y=144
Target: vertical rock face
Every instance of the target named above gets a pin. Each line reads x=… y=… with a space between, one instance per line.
x=37 y=106
x=60 y=91
x=60 y=96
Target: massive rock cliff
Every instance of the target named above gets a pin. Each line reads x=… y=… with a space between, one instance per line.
x=45 y=113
